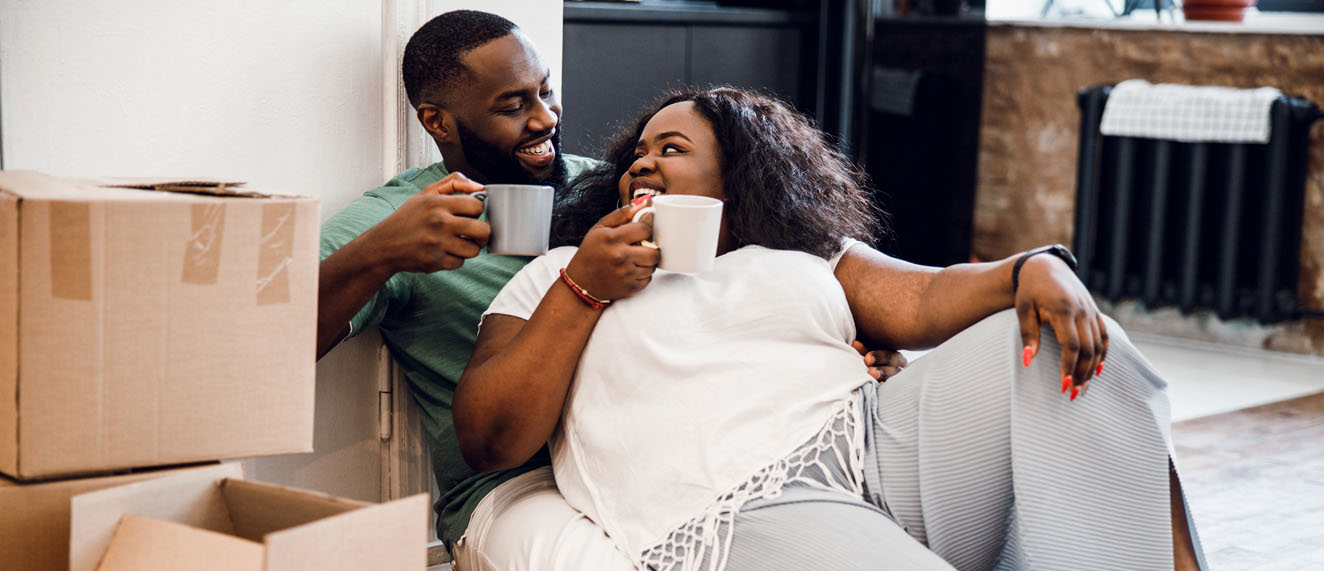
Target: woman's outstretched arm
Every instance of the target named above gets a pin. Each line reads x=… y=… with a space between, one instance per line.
x=510 y=396
x=904 y=305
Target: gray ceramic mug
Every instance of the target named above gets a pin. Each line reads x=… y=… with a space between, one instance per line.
x=520 y=216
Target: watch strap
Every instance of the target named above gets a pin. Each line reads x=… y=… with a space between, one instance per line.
x=1055 y=249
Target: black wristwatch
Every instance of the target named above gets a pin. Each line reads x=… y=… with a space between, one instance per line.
x=1056 y=249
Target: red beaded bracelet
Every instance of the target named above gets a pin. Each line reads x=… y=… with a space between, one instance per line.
x=583 y=294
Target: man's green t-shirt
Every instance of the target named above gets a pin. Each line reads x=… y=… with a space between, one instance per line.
x=430 y=322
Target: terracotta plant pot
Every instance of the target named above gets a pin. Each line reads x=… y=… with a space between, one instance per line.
x=1217 y=10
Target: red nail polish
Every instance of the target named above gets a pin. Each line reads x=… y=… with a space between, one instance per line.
x=1074 y=391
x=1066 y=383
x=1026 y=355
x=1100 y=369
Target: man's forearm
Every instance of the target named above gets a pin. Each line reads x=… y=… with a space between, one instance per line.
x=347 y=279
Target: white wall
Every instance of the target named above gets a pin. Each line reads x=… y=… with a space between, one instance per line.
x=283 y=94
x=286 y=95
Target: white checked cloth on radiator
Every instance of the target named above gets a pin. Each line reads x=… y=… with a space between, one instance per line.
x=1137 y=108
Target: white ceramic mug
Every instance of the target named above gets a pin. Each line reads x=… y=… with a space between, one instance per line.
x=520 y=216
x=685 y=229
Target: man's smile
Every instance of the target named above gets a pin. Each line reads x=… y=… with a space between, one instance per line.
x=537 y=156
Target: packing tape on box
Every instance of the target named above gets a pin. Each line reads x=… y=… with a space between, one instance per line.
x=275 y=253
x=71 y=250
x=202 y=255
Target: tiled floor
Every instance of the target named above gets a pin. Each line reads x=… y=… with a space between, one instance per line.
x=1252 y=476
x=1255 y=481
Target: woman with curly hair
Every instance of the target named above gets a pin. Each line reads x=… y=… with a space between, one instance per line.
x=721 y=420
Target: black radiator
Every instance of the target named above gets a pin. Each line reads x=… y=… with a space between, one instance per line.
x=1195 y=225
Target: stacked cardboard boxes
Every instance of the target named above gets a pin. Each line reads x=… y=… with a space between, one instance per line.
x=158 y=322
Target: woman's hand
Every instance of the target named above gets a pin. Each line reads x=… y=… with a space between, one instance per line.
x=883 y=364
x=610 y=263
x=1051 y=293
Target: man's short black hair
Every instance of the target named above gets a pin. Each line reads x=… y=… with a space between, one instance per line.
x=432 y=65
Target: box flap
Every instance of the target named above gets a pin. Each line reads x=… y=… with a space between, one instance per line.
x=28 y=185
x=190 y=185
x=193 y=185
x=386 y=536
x=9 y=263
x=35 y=185
x=257 y=509
x=191 y=498
x=145 y=544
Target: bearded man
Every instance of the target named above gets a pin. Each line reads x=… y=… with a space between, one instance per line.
x=409 y=257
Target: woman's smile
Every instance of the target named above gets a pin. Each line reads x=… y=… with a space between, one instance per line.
x=645 y=186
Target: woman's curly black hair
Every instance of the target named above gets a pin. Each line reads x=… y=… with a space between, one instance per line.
x=787 y=187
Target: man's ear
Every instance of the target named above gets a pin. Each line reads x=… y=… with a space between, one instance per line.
x=438 y=122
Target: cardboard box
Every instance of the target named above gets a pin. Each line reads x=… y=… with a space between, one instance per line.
x=34 y=518
x=148 y=327
x=214 y=520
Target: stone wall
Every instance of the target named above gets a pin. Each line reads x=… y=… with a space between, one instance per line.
x=1027 y=153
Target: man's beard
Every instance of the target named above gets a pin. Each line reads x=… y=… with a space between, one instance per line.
x=500 y=167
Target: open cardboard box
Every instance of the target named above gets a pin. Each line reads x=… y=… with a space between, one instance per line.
x=214 y=520
x=147 y=322
x=34 y=517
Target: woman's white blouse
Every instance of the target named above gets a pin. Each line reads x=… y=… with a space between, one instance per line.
x=689 y=387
